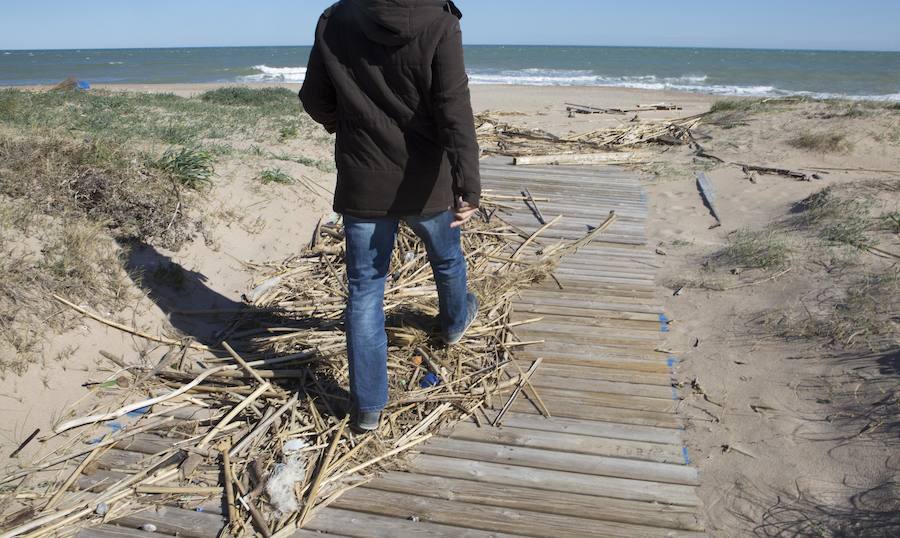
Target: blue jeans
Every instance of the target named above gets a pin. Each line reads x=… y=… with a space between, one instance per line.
x=369 y=246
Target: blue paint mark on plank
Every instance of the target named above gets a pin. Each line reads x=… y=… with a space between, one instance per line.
x=684 y=452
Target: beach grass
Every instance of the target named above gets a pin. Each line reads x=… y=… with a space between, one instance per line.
x=190 y=167
x=275 y=175
x=323 y=165
x=746 y=249
x=225 y=113
x=821 y=142
x=86 y=175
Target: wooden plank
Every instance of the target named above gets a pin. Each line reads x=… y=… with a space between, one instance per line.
x=113 y=531
x=589 y=313
x=593 y=322
x=595 y=299
x=99 y=480
x=539 y=180
x=563 y=461
x=564 y=398
x=116 y=459
x=634 y=294
x=146 y=443
x=560 y=349
x=489 y=518
x=562 y=503
x=600 y=360
x=606 y=414
x=362 y=525
x=543 y=479
x=588 y=385
x=567 y=442
x=609 y=430
x=517 y=177
x=572 y=335
x=176 y=521
x=604 y=374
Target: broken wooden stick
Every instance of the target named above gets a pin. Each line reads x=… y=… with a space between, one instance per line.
x=709 y=196
x=320 y=475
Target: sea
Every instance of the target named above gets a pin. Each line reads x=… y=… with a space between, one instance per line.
x=725 y=72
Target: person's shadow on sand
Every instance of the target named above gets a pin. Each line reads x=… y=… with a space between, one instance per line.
x=208 y=317
x=183 y=295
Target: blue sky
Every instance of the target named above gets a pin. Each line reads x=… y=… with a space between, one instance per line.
x=817 y=24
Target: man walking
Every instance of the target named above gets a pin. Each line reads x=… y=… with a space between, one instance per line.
x=388 y=77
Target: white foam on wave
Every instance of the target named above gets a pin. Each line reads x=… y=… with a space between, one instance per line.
x=276 y=74
x=561 y=77
x=685 y=83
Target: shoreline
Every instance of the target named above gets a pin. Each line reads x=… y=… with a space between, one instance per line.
x=190 y=89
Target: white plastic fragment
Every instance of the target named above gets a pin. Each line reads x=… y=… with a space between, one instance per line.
x=294 y=445
x=280 y=486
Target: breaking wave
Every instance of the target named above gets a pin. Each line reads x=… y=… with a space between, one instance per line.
x=276 y=74
x=697 y=83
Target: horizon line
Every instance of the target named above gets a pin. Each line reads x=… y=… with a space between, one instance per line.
x=687 y=47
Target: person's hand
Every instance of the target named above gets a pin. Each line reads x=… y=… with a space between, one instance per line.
x=462 y=213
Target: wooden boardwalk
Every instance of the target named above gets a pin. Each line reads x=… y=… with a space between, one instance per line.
x=611 y=461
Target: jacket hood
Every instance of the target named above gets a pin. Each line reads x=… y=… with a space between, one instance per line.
x=396 y=22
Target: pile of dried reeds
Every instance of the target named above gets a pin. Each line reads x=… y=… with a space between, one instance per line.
x=266 y=429
x=499 y=138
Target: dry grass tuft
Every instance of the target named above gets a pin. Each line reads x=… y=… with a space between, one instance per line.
x=96 y=180
x=748 y=249
x=828 y=142
x=63 y=205
x=72 y=256
x=865 y=311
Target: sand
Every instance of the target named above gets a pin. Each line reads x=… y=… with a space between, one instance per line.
x=759 y=400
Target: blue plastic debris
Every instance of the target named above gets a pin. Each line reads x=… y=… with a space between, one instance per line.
x=139 y=412
x=429 y=380
x=83 y=85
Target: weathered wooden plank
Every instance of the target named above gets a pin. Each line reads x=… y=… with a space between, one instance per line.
x=523 y=498
x=565 y=397
x=521 y=309
x=176 y=521
x=114 y=531
x=489 y=518
x=593 y=322
x=601 y=360
x=592 y=298
x=560 y=349
x=572 y=335
x=589 y=185
x=605 y=414
x=630 y=294
x=588 y=385
x=116 y=459
x=541 y=183
x=609 y=430
x=563 y=461
x=364 y=525
x=567 y=442
x=604 y=374
x=98 y=480
x=543 y=479
x=146 y=443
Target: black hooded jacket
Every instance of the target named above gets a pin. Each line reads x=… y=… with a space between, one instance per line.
x=388 y=77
